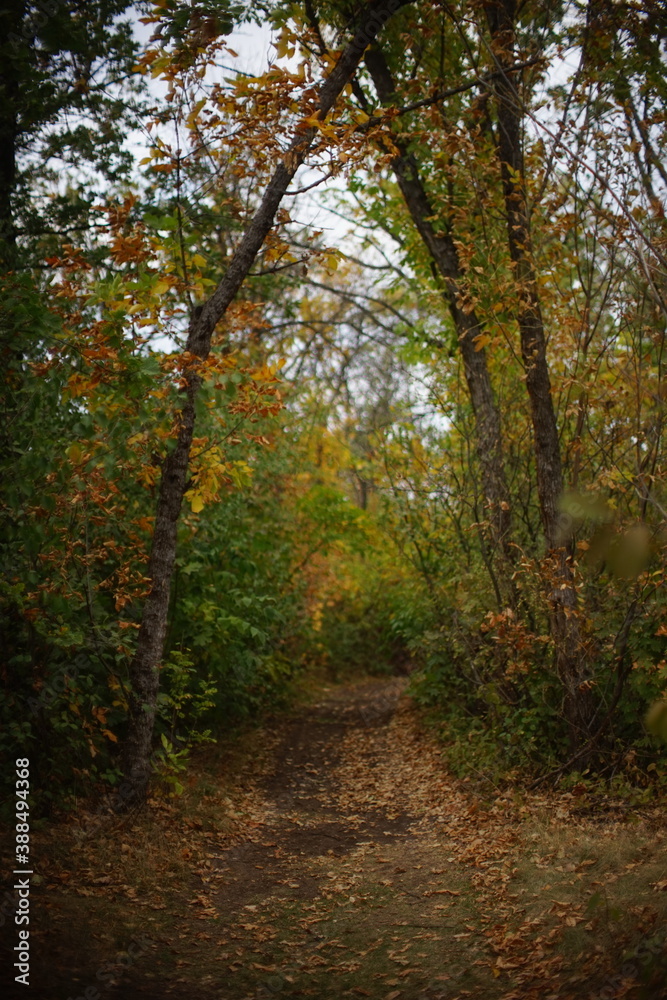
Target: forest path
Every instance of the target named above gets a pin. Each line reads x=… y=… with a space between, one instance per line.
x=354 y=866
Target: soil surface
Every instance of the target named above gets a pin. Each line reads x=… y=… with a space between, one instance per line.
x=331 y=855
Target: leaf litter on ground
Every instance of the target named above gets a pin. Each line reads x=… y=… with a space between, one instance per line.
x=331 y=854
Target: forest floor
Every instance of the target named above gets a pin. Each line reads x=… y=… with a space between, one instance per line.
x=329 y=854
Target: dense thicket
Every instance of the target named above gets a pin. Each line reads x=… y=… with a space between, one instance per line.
x=238 y=443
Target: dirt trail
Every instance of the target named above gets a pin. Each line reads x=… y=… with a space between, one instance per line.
x=357 y=867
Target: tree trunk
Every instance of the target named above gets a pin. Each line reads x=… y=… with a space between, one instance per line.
x=144 y=670
x=566 y=631
x=444 y=255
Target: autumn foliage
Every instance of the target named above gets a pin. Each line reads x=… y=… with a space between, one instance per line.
x=431 y=441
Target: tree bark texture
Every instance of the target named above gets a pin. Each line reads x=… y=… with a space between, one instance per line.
x=566 y=630
x=144 y=670
x=444 y=255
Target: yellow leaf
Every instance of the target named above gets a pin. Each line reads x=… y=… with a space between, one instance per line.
x=77 y=385
x=196 y=502
x=283 y=46
x=192 y=117
x=481 y=341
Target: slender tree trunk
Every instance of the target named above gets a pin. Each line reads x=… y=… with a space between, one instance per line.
x=144 y=670
x=566 y=630
x=444 y=255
